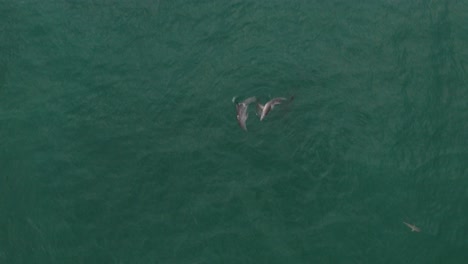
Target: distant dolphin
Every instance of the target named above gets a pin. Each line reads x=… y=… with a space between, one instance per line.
x=413 y=227
x=263 y=110
x=241 y=109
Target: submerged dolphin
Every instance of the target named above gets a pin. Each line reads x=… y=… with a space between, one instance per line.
x=241 y=109
x=263 y=110
x=413 y=227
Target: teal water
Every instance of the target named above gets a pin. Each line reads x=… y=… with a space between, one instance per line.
x=119 y=141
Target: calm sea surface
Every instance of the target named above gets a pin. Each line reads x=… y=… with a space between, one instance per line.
x=119 y=141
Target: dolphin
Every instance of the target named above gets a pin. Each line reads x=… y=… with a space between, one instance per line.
x=241 y=109
x=263 y=110
x=413 y=227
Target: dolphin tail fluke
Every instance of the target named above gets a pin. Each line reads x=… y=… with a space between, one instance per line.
x=250 y=100
x=259 y=109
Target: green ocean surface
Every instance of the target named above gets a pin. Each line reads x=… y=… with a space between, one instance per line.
x=119 y=141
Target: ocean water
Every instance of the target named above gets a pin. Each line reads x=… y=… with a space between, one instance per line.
x=119 y=141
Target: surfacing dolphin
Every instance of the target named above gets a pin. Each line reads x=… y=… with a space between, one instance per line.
x=241 y=109
x=263 y=110
x=414 y=228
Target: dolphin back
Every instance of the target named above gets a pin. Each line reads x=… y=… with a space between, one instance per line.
x=278 y=100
